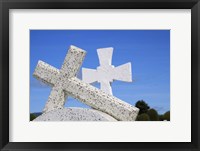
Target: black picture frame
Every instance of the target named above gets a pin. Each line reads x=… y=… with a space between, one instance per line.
x=5 y=5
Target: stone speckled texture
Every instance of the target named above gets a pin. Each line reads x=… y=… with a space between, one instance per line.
x=75 y=114
x=64 y=83
x=106 y=72
x=71 y=65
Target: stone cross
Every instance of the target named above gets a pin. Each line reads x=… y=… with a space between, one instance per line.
x=106 y=72
x=65 y=83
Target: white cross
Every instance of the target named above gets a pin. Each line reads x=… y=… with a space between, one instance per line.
x=65 y=83
x=106 y=72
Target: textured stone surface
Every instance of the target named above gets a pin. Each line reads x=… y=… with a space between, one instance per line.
x=106 y=73
x=100 y=100
x=71 y=65
x=75 y=114
x=65 y=83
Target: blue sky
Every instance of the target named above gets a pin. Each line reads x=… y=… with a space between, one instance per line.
x=147 y=50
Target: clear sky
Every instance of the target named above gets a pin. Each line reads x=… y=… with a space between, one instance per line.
x=147 y=50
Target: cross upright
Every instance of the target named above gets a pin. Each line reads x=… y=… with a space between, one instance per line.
x=64 y=83
x=106 y=72
x=56 y=78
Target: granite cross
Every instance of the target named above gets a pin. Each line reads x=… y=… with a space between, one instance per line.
x=65 y=83
x=106 y=72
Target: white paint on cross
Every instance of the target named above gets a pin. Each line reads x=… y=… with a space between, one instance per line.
x=65 y=83
x=106 y=72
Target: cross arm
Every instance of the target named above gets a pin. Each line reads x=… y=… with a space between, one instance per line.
x=46 y=73
x=105 y=56
x=100 y=100
x=89 y=75
x=123 y=73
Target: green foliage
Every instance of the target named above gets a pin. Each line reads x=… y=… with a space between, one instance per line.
x=166 y=116
x=161 y=117
x=32 y=117
x=146 y=114
x=153 y=115
x=143 y=117
x=143 y=106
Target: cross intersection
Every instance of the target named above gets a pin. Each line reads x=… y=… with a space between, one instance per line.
x=64 y=83
x=106 y=72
